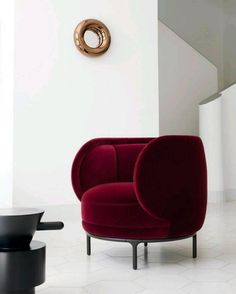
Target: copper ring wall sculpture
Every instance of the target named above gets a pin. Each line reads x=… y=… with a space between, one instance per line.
x=97 y=27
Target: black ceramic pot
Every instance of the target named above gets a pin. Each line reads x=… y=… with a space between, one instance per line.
x=18 y=226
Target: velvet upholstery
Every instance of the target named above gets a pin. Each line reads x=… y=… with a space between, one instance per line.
x=141 y=188
x=114 y=207
x=97 y=162
x=171 y=182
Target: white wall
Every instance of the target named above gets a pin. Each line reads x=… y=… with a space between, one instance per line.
x=229 y=141
x=217 y=129
x=210 y=130
x=6 y=101
x=63 y=98
x=185 y=78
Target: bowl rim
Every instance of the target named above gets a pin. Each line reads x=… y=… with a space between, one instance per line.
x=20 y=211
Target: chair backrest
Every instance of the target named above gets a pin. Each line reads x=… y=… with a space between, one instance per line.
x=105 y=160
x=171 y=182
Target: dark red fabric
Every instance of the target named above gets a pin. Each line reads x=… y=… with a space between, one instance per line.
x=126 y=233
x=115 y=207
x=105 y=160
x=171 y=182
x=126 y=155
x=98 y=166
x=166 y=198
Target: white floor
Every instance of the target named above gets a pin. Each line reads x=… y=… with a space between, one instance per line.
x=167 y=268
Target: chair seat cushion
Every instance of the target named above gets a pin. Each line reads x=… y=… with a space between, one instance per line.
x=112 y=210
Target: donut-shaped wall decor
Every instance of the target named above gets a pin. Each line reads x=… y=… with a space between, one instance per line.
x=102 y=34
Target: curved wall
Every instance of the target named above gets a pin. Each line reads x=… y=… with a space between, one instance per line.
x=217 y=130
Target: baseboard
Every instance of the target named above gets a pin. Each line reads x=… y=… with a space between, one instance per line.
x=230 y=195
x=215 y=196
x=222 y=196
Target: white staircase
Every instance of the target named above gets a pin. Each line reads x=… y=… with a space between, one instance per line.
x=185 y=78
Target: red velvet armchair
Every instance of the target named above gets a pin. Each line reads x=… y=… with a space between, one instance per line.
x=141 y=190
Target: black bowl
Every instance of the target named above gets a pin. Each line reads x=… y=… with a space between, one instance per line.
x=18 y=226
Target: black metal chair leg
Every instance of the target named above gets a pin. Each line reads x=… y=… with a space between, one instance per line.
x=88 y=245
x=195 y=246
x=135 y=254
x=145 y=244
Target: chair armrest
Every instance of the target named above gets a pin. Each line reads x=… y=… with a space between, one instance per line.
x=104 y=160
x=170 y=180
